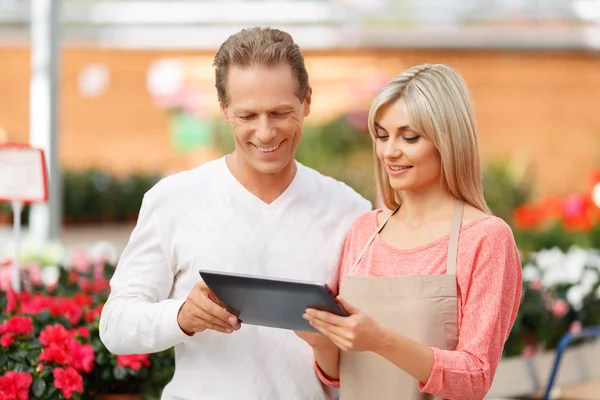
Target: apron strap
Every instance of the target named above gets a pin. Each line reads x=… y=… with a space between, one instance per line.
x=364 y=250
x=454 y=235
x=452 y=245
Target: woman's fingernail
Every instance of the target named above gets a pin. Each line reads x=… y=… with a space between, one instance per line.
x=232 y=320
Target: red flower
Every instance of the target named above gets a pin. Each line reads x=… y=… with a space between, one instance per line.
x=37 y=304
x=82 y=300
x=85 y=285
x=83 y=356
x=82 y=331
x=6 y=340
x=54 y=334
x=15 y=385
x=11 y=305
x=133 y=361
x=17 y=325
x=68 y=380
x=91 y=315
x=70 y=310
x=99 y=285
x=73 y=275
x=61 y=347
x=56 y=353
x=527 y=217
x=594 y=179
x=14 y=327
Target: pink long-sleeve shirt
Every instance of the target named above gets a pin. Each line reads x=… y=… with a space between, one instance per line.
x=489 y=292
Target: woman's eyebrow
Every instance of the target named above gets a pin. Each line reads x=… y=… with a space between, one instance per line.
x=399 y=130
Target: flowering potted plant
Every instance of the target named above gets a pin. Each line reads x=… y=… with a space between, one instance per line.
x=561 y=222
x=44 y=351
x=50 y=346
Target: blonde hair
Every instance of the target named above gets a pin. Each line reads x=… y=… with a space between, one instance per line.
x=259 y=47
x=439 y=107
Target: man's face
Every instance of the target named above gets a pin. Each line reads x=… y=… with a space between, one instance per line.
x=265 y=116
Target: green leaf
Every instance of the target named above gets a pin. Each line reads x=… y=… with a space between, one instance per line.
x=38 y=387
x=20 y=355
x=100 y=358
x=119 y=373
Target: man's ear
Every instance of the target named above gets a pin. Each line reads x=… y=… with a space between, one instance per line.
x=223 y=109
x=308 y=102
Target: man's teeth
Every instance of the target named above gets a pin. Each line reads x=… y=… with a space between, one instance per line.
x=268 y=149
x=398 y=168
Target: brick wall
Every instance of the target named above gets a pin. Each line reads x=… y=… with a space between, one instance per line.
x=540 y=106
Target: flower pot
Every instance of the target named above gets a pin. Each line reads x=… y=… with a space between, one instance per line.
x=119 y=397
x=524 y=376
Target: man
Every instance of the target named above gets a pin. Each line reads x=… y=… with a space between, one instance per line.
x=256 y=211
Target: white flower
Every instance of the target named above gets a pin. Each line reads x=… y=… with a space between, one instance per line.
x=530 y=273
x=558 y=267
x=50 y=275
x=548 y=259
x=104 y=251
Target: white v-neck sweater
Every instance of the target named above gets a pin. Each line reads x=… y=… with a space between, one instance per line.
x=204 y=218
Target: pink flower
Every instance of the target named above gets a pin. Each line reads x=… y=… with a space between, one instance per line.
x=528 y=352
x=35 y=274
x=536 y=285
x=573 y=206
x=81 y=262
x=559 y=308
x=575 y=327
x=5 y=278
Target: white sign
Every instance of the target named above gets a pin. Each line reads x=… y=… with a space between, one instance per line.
x=22 y=174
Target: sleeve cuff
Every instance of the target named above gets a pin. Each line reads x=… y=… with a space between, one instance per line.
x=436 y=379
x=334 y=383
x=170 y=327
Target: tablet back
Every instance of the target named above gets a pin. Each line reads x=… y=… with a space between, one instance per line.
x=271 y=302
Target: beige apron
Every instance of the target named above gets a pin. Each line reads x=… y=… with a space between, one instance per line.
x=421 y=307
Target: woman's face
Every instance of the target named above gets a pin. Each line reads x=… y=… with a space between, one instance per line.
x=411 y=161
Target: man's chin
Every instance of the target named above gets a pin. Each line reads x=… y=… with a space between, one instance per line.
x=270 y=167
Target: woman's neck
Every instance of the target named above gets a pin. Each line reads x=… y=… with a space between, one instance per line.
x=426 y=205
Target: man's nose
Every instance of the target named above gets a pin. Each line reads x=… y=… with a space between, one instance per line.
x=265 y=131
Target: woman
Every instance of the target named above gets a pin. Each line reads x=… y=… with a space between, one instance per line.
x=432 y=287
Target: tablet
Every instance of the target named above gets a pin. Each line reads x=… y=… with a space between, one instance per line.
x=270 y=302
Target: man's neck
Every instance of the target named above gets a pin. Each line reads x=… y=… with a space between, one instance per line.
x=267 y=187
